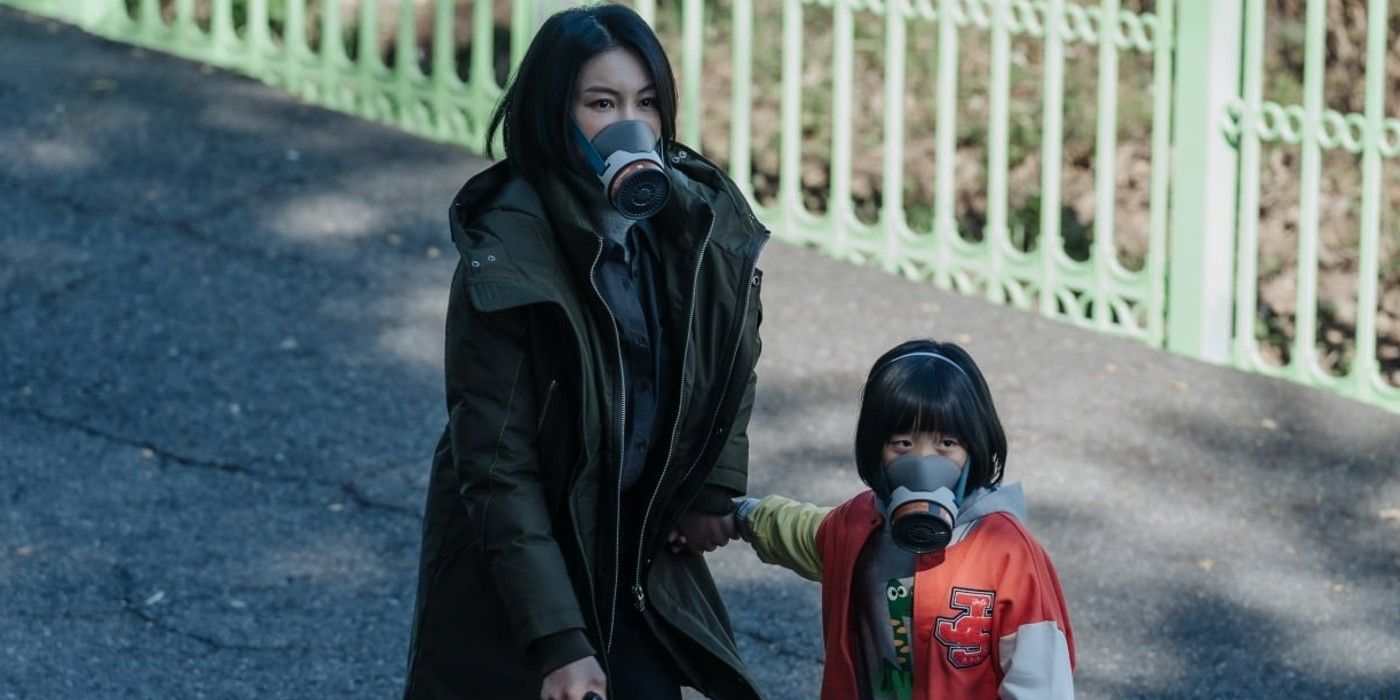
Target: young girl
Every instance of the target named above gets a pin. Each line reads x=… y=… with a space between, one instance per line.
x=931 y=584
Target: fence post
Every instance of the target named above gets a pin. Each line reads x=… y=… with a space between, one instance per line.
x=1204 y=180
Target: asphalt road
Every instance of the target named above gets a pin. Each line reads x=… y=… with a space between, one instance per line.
x=220 y=385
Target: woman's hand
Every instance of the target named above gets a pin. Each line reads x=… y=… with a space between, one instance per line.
x=702 y=532
x=574 y=680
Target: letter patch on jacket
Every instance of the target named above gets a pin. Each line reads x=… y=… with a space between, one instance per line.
x=967 y=635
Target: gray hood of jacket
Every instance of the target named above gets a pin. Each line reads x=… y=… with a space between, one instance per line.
x=1006 y=498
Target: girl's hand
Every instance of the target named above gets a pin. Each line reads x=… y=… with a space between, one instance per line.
x=575 y=680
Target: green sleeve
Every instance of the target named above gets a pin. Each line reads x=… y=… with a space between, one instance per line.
x=784 y=532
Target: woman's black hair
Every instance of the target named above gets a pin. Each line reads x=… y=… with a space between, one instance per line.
x=921 y=393
x=533 y=114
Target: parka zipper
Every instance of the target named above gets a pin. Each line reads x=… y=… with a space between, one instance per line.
x=638 y=592
x=743 y=323
x=621 y=446
x=733 y=359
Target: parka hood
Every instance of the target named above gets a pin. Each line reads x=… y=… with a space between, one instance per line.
x=519 y=243
x=696 y=185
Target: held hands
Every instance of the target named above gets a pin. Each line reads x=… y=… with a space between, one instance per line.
x=702 y=532
x=578 y=680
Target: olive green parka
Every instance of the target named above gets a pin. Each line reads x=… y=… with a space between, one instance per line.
x=521 y=531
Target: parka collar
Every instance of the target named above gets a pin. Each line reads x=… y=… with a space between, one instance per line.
x=677 y=235
x=558 y=213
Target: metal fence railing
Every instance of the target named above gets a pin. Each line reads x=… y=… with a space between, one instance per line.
x=1099 y=163
x=1253 y=126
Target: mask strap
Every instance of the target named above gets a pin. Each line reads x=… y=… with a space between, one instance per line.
x=925 y=353
x=595 y=161
x=961 y=489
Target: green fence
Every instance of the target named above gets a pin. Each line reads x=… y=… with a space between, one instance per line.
x=938 y=139
x=1365 y=139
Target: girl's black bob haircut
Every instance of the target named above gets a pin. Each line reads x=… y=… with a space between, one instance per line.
x=921 y=393
x=533 y=114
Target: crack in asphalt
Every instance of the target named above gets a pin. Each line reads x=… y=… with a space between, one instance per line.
x=352 y=491
x=49 y=297
x=188 y=227
x=142 y=612
x=50 y=615
x=348 y=487
x=223 y=207
x=775 y=645
x=364 y=501
x=191 y=230
x=218 y=208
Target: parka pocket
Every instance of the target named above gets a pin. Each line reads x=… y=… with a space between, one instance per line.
x=545 y=404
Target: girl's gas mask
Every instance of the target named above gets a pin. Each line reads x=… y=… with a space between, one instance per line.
x=626 y=157
x=921 y=500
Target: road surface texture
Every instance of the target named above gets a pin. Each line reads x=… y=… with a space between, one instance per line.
x=220 y=385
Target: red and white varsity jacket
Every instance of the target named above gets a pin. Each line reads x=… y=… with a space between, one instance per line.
x=989 y=617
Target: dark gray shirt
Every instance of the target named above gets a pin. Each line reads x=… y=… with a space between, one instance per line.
x=626 y=279
x=884 y=600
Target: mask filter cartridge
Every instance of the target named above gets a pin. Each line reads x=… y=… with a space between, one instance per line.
x=922 y=504
x=626 y=157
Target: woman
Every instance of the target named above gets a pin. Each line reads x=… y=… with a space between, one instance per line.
x=602 y=331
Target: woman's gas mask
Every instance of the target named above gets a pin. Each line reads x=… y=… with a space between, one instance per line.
x=921 y=500
x=626 y=157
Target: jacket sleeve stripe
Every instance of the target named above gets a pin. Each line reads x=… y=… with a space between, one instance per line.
x=1035 y=663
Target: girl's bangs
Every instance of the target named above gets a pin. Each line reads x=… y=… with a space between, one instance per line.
x=926 y=402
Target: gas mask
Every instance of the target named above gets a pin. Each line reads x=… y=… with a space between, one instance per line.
x=626 y=157
x=922 y=500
